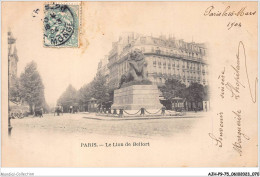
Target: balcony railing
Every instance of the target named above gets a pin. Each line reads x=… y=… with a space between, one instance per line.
x=169 y=54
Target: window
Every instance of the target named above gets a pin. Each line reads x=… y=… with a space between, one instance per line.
x=173 y=64
x=158 y=51
x=154 y=63
x=159 y=63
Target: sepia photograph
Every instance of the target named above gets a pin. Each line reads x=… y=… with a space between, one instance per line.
x=129 y=84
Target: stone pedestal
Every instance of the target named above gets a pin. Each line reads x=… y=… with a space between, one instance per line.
x=135 y=97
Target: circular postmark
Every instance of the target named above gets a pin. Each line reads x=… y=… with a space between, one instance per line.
x=58 y=24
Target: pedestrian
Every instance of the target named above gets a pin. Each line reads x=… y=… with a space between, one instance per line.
x=61 y=109
x=70 y=109
x=41 y=112
x=163 y=110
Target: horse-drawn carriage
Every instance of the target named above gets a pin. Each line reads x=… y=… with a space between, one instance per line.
x=58 y=110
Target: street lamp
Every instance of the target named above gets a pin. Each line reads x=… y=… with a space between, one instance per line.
x=9 y=116
x=9 y=124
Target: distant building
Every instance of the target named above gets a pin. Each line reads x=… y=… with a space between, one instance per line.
x=16 y=103
x=12 y=59
x=102 y=67
x=166 y=58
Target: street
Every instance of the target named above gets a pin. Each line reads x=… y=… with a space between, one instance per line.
x=57 y=140
x=80 y=124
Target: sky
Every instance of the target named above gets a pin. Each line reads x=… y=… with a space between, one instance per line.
x=101 y=24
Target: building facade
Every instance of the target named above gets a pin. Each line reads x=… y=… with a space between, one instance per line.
x=166 y=58
x=102 y=67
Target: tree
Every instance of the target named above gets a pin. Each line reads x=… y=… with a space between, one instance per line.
x=84 y=94
x=31 y=87
x=15 y=93
x=68 y=98
x=173 y=88
x=100 y=89
x=195 y=93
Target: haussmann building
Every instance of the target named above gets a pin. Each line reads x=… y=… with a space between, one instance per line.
x=166 y=58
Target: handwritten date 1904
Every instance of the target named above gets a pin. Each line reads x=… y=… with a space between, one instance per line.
x=233 y=24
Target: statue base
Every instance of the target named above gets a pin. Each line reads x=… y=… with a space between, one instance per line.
x=135 y=97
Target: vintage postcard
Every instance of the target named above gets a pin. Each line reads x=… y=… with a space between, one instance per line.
x=129 y=84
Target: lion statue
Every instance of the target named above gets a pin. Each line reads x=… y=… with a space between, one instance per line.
x=137 y=70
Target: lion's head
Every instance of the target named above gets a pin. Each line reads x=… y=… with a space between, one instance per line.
x=136 y=55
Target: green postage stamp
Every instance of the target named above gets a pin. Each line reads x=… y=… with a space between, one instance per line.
x=61 y=24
